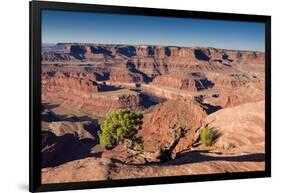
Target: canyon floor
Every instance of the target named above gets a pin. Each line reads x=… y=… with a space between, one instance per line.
x=174 y=88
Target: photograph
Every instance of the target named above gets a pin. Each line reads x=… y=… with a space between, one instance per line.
x=127 y=96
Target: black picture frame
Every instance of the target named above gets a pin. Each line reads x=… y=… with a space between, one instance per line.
x=35 y=94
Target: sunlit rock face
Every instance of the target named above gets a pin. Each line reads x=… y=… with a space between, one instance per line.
x=178 y=90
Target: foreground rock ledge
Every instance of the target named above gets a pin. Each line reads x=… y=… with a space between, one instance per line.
x=94 y=169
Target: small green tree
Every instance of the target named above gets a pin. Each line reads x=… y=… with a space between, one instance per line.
x=121 y=126
x=206 y=136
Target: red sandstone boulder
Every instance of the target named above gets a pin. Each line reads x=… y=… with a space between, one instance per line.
x=174 y=114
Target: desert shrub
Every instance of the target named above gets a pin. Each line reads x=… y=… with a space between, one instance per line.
x=139 y=147
x=121 y=126
x=206 y=136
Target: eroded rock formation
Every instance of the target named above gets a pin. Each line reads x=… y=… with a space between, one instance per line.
x=178 y=89
x=239 y=126
x=84 y=94
x=158 y=126
x=150 y=61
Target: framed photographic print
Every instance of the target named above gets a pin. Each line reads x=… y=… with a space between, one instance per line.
x=125 y=96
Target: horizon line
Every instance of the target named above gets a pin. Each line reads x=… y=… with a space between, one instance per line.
x=229 y=49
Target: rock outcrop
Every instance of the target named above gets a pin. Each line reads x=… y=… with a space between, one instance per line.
x=57 y=150
x=243 y=125
x=68 y=84
x=83 y=94
x=151 y=61
x=187 y=82
x=159 y=125
x=234 y=95
x=194 y=163
x=178 y=89
x=88 y=169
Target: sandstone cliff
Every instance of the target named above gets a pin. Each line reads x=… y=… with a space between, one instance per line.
x=178 y=89
x=83 y=94
x=155 y=60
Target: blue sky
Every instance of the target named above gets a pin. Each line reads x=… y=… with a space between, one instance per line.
x=83 y=27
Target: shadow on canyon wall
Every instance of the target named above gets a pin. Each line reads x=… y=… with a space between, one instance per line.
x=56 y=150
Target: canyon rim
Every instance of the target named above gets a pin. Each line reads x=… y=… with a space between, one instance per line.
x=178 y=90
x=128 y=96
